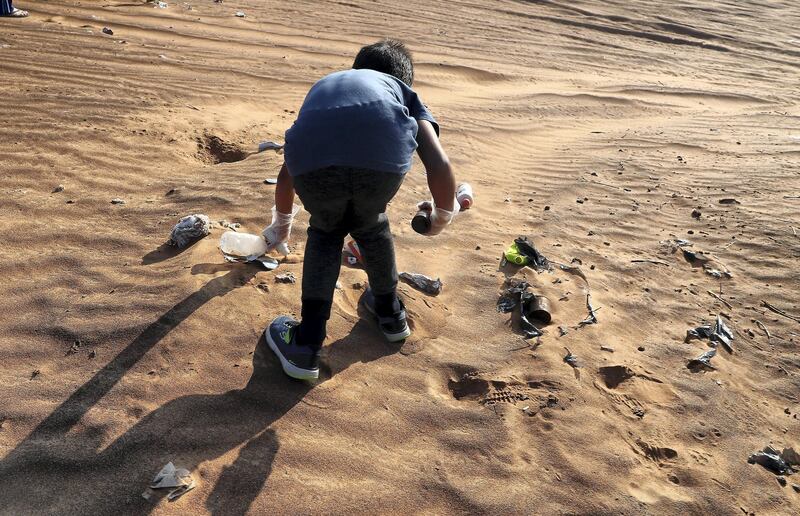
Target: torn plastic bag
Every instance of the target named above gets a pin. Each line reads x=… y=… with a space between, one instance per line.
x=703 y=361
x=528 y=329
x=722 y=334
x=511 y=297
x=423 y=283
x=171 y=477
x=701 y=332
x=772 y=460
x=535 y=258
x=189 y=229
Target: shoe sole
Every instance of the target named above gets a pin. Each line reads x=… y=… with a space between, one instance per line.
x=391 y=337
x=289 y=368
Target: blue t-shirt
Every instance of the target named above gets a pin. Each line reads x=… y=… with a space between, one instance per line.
x=356 y=118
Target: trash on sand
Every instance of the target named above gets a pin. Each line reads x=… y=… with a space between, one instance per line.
x=709 y=263
x=540 y=309
x=268 y=262
x=783 y=463
x=108 y=31
x=703 y=361
x=189 y=229
x=240 y=14
x=522 y=252
x=729 y=201
x=592 y=317
x=170 y=477
x=269 y=145
x=117 y=200
x=161 y=5
x=271 y=181
x=719 y=334
x=423 y=283
x=244 y=246
x=285 y=278
x=352 y=253
x=571 y=359
x=517 y=295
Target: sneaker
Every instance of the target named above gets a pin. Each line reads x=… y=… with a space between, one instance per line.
x=394 y=327
x=298 y=361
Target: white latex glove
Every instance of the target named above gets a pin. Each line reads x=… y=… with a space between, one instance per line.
x=277 y=233
x=440 y=218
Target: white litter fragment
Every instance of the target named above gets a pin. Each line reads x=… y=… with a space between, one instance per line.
x=171 y=477
x=269 y=145
x=240 y=14
x=161 y=5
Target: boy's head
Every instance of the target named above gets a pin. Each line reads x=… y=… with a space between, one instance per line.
x=388 y=56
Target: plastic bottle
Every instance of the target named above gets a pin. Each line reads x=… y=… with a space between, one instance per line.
x=244 y=245
x=464 y=196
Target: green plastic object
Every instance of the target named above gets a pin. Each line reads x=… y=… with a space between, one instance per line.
x=513 y=255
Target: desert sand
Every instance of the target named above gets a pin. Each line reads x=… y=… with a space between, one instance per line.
x=594 y=128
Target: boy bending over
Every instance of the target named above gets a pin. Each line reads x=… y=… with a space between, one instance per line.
x=346 y=156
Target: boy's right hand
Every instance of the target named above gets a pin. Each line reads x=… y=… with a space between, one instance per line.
x=440 y=218
x=277 y=233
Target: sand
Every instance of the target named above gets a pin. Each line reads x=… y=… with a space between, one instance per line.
x=594 y=128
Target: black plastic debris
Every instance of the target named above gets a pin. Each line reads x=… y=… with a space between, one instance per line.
x=535 y=258
x=783 y=463
x=571 y=359
x=592 y=317
x=423 y=283
x=511 y=297
x=515 y=296
x=718 y=334
x=703 y=362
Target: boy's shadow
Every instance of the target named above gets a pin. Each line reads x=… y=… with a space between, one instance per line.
x=63 y=468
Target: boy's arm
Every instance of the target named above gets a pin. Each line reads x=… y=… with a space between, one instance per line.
x=441 y=181
x=277 y=233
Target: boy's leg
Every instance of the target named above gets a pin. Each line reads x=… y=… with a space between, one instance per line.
x=372 y=190
x=325 y=195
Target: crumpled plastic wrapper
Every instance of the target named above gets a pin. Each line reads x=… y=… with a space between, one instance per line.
x=423 y=283
x=190 y=229
x=170 y=477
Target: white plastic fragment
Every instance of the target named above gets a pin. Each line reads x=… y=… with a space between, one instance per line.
x=171 y=477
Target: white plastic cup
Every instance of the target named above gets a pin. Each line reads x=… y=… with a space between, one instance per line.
x=244 y=245
x=464 y=196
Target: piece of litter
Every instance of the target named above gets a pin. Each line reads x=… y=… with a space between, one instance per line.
x=171 y=477
x=703 y=362
x=161 y=5
x=108 y=31
x=271 y=181
x=268 y=262
x=729 y=201
x=59 y=188
x=423 y=283
x=269 y=145
x=117 y=200
x=779 y=463
x=571 y=359
x=592 y=317
x=719 y=334
x=285 y=278
x=606 y=348
x=240 y=14
x=189 y=229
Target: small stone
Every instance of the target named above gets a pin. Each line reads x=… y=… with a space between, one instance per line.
x=781 y=481
x=638 y=412
x=263 y=286
x=690 y=232
x=70 y=201
x=171 y=191
x=477 y=248
x=35 y=373
x=579 y=201
x=547 y=208
x=640 y=348
x=796 y=488
x=606 y=348
x=59 y=188
x=108 y=31
x=117 y=200
x=92 y=354
x=787 y=411
x=591 y=267
x=74 y=348
x=696 y=213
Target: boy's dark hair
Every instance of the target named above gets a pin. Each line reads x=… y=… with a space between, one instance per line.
x=388 y=56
